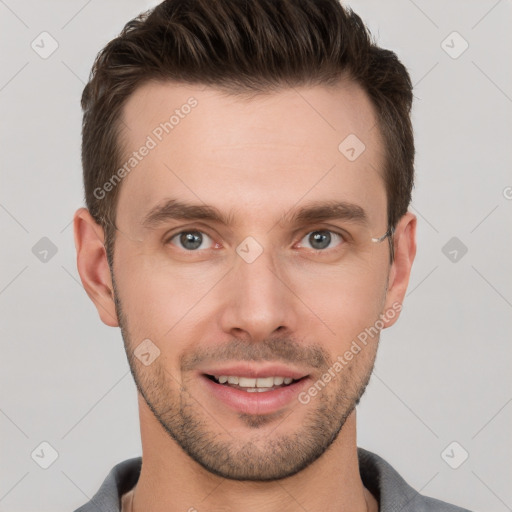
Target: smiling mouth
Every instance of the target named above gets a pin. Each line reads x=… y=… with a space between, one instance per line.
x=253 y=385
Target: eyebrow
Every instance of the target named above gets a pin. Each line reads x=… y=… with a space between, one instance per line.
x=318 y=211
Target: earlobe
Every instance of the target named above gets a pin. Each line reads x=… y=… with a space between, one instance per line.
x=93 y=266
x=400 y=271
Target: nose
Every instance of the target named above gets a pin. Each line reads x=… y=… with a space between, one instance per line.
x=258 y=298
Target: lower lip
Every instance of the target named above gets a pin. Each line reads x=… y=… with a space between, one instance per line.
x=264 y=402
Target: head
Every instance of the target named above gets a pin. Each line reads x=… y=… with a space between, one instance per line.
x=289 y=130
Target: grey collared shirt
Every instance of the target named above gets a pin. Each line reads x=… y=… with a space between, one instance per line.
x=391 y=491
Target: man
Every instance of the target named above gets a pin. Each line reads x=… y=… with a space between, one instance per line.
x=248 y=167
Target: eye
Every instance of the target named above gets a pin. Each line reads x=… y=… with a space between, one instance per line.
x=321 y=239
x=190 y=240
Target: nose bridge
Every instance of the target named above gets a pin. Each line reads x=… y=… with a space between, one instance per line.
x=259 y=299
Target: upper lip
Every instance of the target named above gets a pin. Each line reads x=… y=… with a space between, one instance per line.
x=251 y=370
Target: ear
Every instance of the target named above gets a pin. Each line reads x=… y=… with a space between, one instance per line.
x=93 y=265
x=404 y=241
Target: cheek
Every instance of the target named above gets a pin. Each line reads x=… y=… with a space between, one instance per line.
x=159 y=301
x=344 y=302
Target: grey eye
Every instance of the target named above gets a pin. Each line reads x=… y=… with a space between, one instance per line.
x=191 y=240
x=320 y=240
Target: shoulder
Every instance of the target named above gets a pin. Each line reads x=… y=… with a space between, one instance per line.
x=121 y=478
x=392 y=491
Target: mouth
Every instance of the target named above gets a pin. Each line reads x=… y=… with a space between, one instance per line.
x=254 y=390
x=253 y=384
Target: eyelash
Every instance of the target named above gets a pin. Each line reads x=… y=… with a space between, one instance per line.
x=344 y=238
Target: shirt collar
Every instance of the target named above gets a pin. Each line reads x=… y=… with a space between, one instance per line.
x=391 y=491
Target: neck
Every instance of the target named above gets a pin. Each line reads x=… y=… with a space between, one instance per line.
x=171 y=481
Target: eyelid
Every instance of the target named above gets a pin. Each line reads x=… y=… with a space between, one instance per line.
x=343 y=240
x=170 y=236
x=324 y=227
x=171 y=233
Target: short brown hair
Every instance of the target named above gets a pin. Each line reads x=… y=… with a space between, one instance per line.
x=243 y=46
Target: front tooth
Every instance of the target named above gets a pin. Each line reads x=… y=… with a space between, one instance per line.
x=249 y=382
x=246 y=382
x=265 y=382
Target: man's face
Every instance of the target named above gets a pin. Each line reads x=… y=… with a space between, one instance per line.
x=265 y=295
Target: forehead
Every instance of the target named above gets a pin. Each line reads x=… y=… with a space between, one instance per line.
x=258 y=156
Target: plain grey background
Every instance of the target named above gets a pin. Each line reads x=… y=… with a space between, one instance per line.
x=441 y=389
